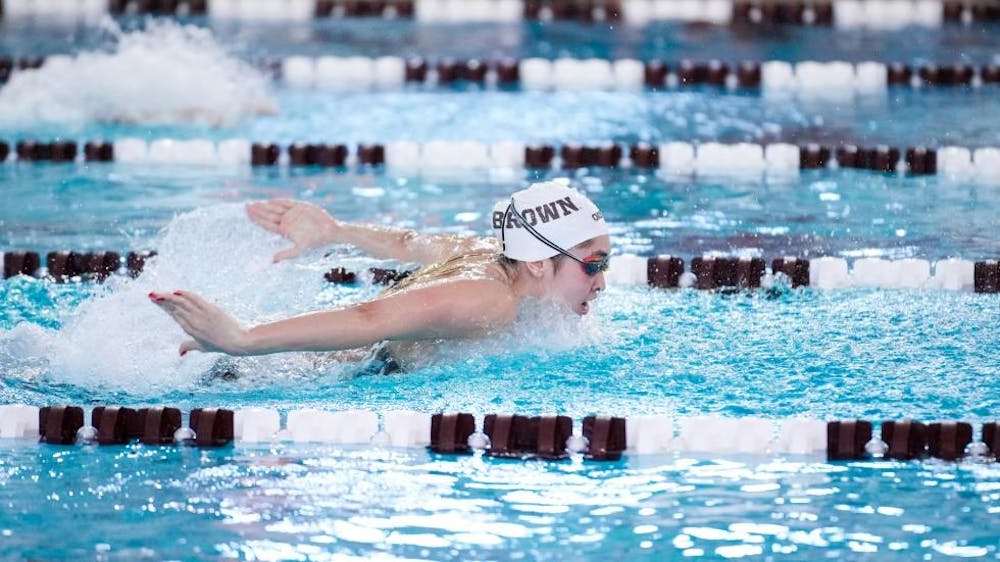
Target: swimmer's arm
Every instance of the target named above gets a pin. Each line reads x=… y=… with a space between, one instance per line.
x=408 y=245
x=457 y=309
x=308 y=227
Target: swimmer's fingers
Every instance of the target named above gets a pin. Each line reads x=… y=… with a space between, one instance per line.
x=180 y=312
x=189 y=345
x=212 y=328
x=288 y=253
x=194 y=303
x=264 y=215
x=269 y=213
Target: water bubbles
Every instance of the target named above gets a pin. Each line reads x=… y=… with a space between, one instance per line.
x=767 y=281
x=381 y=439
x=184 y=435
x=86 y=435
x=283 y=436
x=166 y=73
x=977 y=451
x=577 y=444
x=876 y=448
x=479 y=441
x=687 y=280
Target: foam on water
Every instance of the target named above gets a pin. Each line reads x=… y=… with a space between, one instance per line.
x=167 y=73
x=119 y=340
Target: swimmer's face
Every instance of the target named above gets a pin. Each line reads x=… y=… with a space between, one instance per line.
x=570 y=284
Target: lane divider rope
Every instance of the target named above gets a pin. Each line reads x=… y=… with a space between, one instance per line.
x=834 y=80
x=980 y=164
x=873 y=14
x=710 y=272
x=599 y=438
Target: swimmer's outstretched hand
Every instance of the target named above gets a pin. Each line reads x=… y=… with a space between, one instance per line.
x=304 y=224
x=210 y=326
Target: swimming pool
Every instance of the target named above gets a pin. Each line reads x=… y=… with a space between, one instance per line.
x=868 y=353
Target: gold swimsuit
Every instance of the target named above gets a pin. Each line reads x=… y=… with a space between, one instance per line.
x=474 y=264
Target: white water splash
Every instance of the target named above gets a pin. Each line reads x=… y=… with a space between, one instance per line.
x=167 y=73
x=119 y=340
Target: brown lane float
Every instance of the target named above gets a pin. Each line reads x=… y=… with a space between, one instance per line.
x=6 y=68
x=946 y=75
x=783 y=13
x=748 y=74
x=899 y=74
x=986 y=276
x=30 y=150
x=98 y=151
x=644 y=155
x=948 y=440
x=30 y=62
x=157 y=425
x=991 y=436
x=606 y=437
x=63 y=266
x=64 y=151
x=796 y=269
x=114 y=424
x=508 y=435
x=264 y=154
x=508 y=71
x=371 y=154
x=21 y=263
x=717 y=73
x=326 y=155
x=655 y=74
x=213 y=427
x=664 y=272
x=952 y=10
x=906 y=439
x=158 y=7
x=727 y=272
x=57 y=425
x=415 y=70
x=846 y=439
x=704 y=271
x=539 y=156
x=450 y=433
x=548 y=435
x=514 y=436
x=884 y=159
x=447 y=70
x=813 y=157
x=990 y=74
x=921 y=160
x=473 y=70
x=690 y=73
x=573 y=156
x=136 y=261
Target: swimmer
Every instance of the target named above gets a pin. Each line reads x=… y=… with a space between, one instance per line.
x=550 y=242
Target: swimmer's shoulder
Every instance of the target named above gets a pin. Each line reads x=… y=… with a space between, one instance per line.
x=487 y=302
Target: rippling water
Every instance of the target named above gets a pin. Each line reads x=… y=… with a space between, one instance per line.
x=874 y=354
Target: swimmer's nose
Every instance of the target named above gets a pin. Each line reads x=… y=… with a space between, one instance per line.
x=599 y=282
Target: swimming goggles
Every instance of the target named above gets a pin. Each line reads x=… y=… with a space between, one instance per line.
x=592 y=265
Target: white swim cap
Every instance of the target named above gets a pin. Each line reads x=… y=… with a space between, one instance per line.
x=560 y=214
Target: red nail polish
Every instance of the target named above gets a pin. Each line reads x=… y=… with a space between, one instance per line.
x=152 y=295
x=178 y=293
x=183 y=353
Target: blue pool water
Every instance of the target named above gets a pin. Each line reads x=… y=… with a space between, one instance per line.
x=873 y=354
